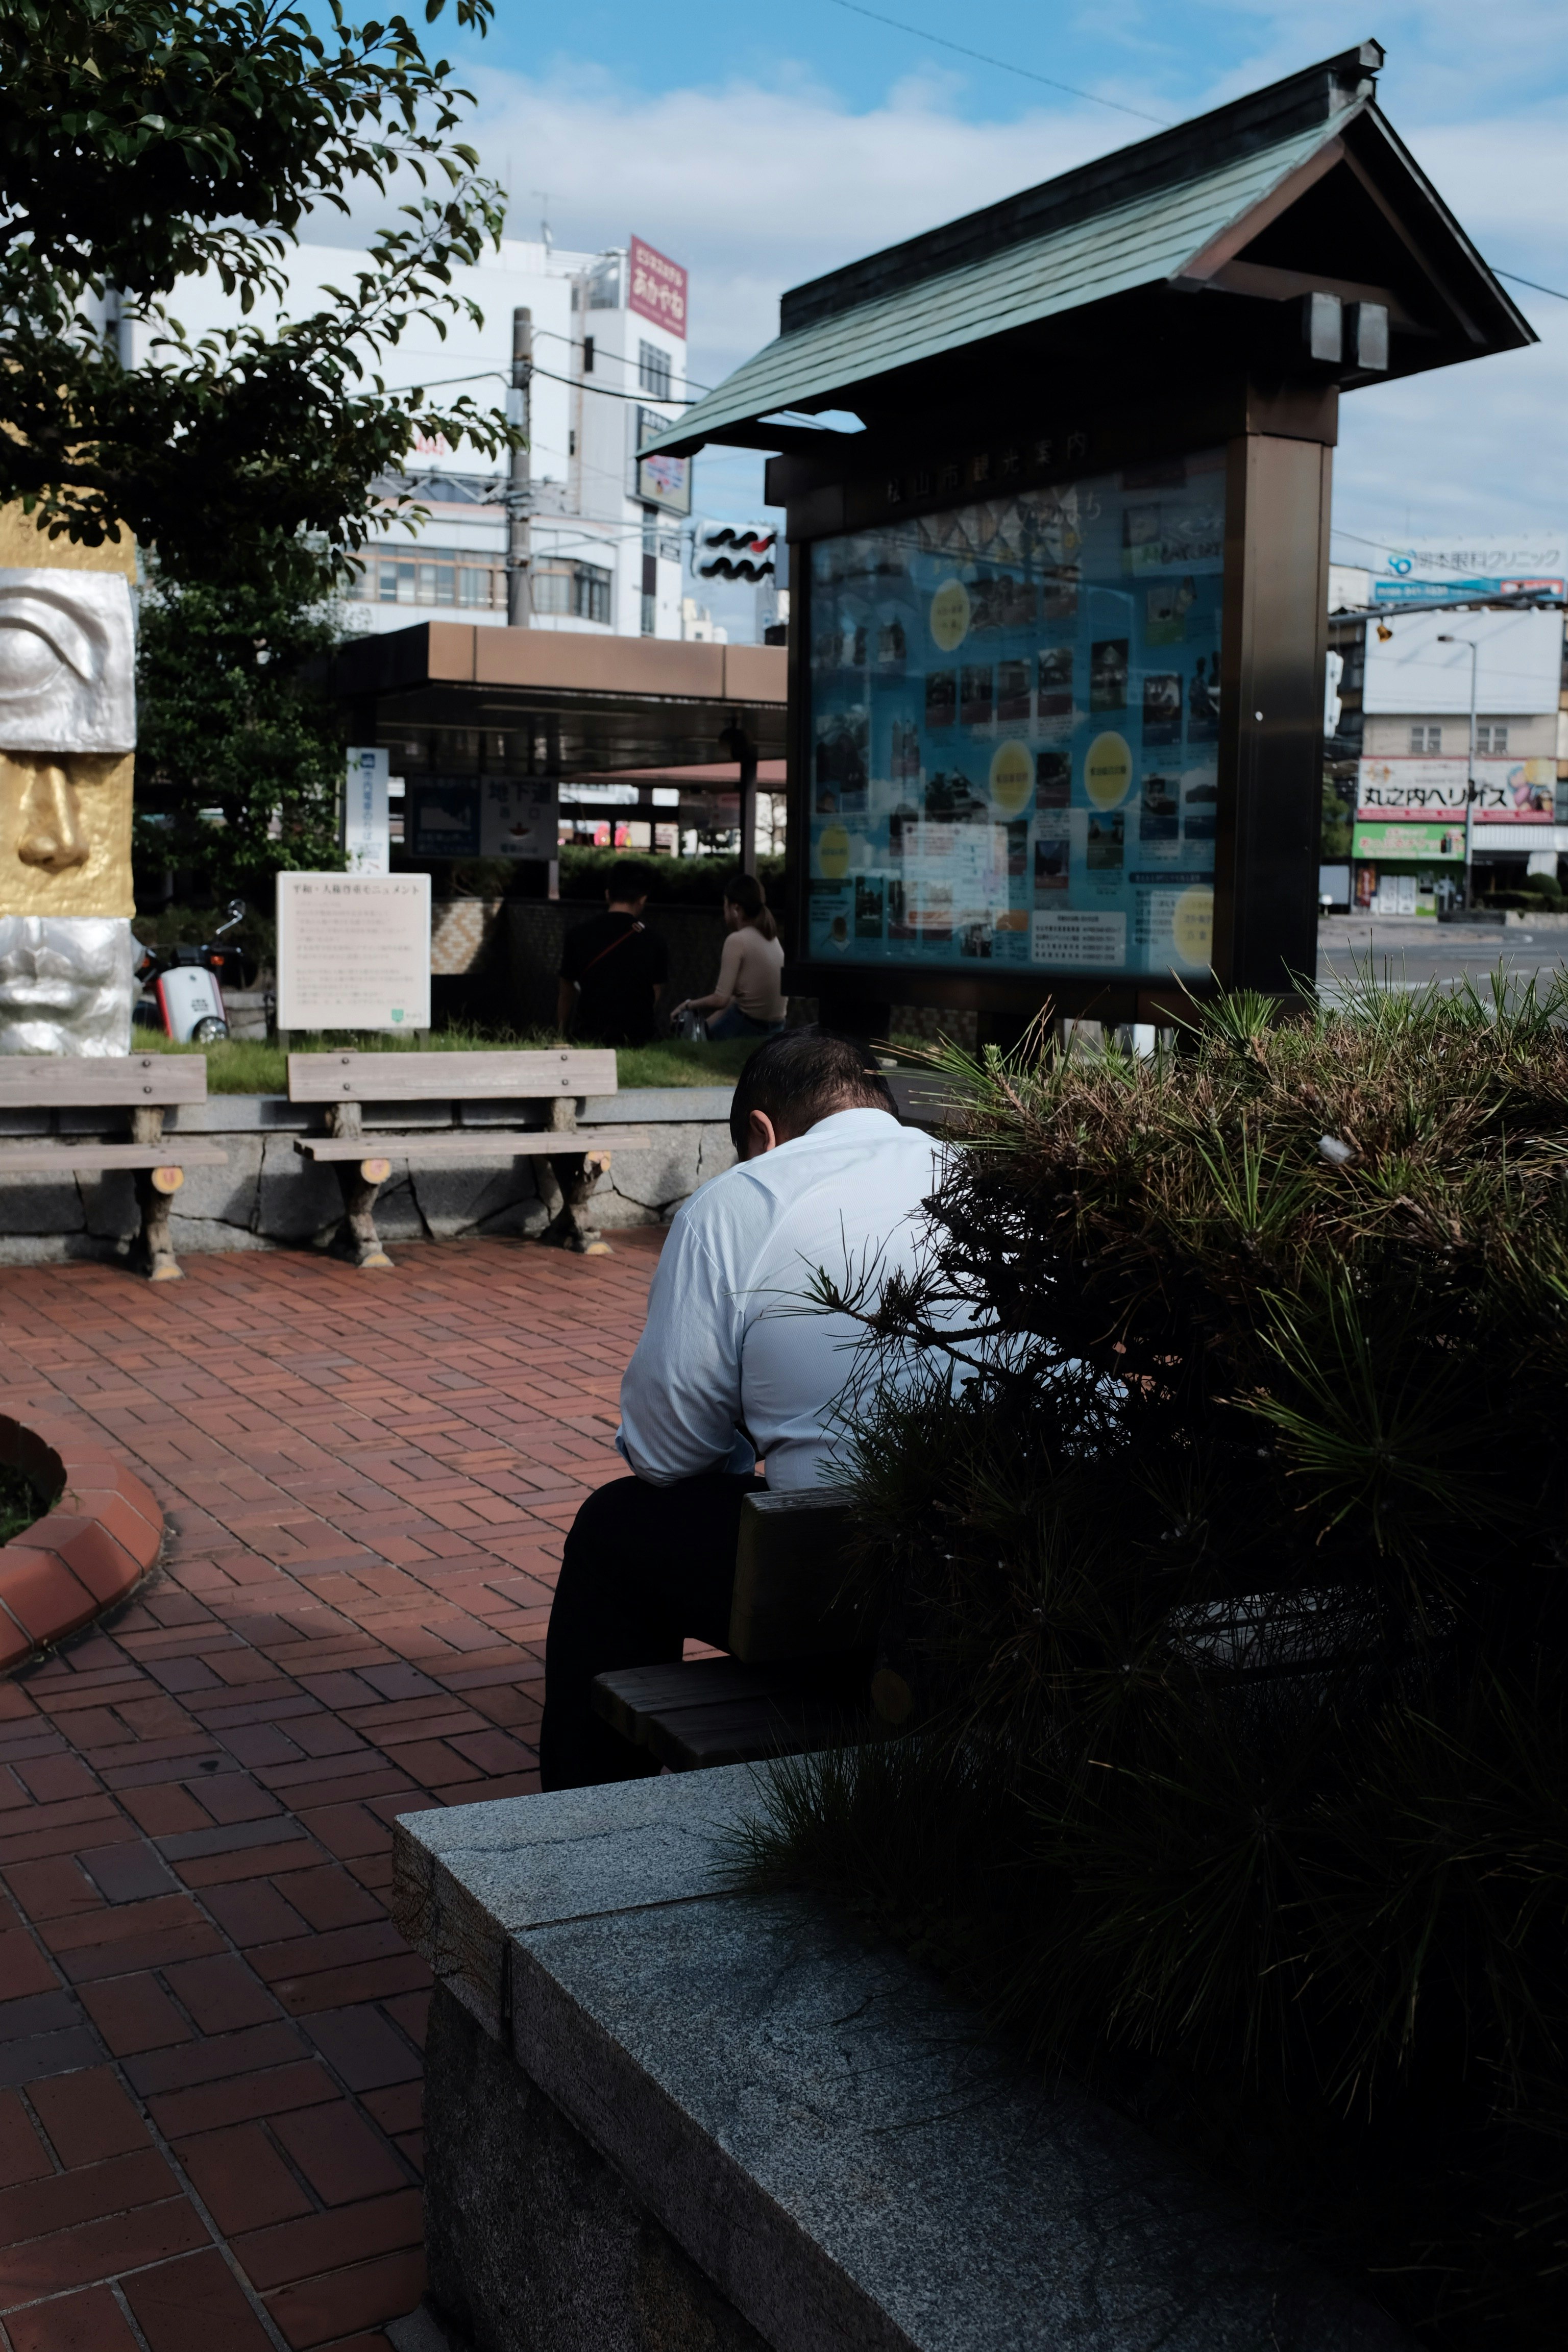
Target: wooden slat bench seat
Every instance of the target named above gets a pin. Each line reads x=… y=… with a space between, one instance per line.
x=798 y=1672
x=144 y=1085
x=559 y=1079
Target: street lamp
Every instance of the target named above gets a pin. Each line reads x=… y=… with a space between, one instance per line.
x=1474 y=644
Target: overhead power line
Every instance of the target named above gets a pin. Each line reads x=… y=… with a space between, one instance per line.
x=1003 y=65
x=1531 y=282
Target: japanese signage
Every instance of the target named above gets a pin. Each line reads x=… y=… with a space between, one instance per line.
x=354 y=950
x=658 y=287
x=1508 y=791
x=481 y=816
x=367 y=837
x=1502 y=565
x=1435 y=844
x=1014 y=729
x=661 y=480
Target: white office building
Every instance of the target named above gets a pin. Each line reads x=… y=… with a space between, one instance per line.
x=606 y=541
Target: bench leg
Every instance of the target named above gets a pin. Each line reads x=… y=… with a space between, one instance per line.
x=567 y=1182
x=152 y=1251
x=356 y=1238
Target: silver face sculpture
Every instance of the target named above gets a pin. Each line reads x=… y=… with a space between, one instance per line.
x=68 y=719
x=66 y=984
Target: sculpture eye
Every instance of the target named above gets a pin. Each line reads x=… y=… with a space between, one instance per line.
x=42 y=647
x=29 y=662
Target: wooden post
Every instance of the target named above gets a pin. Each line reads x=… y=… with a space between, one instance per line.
x=359 y=1181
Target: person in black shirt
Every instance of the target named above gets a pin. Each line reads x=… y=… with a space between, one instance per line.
x=612 y=968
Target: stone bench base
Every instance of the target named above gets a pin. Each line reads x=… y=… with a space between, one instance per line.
x=665 y=2117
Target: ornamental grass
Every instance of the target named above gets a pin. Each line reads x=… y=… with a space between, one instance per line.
x=1213 y=1471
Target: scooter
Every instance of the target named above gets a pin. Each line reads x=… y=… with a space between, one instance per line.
x=186 y=1000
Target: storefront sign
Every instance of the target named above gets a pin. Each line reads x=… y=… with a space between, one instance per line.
x=1508 y=791
x=1014 y=730
x=1431 y=844
x=658 y=288
x=354 y=950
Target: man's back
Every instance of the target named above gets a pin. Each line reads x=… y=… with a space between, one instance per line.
x=618 y=965
x=729 y=1337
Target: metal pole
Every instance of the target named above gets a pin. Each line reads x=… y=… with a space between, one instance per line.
x=519 y=594
x=1471 y=787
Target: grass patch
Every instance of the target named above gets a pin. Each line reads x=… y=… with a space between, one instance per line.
x=20 y=1503
x=257 y=1065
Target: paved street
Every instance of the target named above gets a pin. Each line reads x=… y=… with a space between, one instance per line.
x=1410 y=953
x=209 y=2028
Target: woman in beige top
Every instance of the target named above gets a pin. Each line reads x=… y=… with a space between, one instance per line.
x=748 y=1001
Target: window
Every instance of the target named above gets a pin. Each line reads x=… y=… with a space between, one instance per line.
x=431 y=576
x=1425 y=738
x=653 y=371
x=1492 y=739
x=579 y=590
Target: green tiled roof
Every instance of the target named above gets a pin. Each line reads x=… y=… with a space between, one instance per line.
x=1153 y=237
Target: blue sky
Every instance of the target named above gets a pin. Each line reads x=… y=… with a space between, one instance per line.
x=760 y=146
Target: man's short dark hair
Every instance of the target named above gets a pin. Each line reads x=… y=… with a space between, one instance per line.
x=629 y=881
x=801 y=1075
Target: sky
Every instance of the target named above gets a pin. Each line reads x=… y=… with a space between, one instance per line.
x=761 y=146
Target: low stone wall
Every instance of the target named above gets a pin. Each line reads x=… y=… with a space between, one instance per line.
x=269 y=1197
x=660 y=2113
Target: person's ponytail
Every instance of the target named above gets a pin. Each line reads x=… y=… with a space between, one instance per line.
x=744 y=890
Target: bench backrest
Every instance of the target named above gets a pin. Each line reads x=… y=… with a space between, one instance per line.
x=397 y=1077
x=796 y=1595
x=79 y=1081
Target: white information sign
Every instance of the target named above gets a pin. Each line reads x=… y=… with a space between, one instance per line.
x=354 y=950
x=1071 y=941
x=518 y=817
x=367 y=829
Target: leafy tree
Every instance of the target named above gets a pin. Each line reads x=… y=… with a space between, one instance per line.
x=1335 y=839
x=240 y=760
x=143 y=141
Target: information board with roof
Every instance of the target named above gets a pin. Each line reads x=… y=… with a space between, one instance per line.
x=1059 y=629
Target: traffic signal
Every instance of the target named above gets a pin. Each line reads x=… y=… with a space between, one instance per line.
x=730 y=550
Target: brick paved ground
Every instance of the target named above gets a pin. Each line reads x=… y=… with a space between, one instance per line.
x=209 y=2029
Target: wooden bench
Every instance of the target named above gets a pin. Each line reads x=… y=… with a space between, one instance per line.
x=801 y=1640
x=143 y=1085
x=558 y=1079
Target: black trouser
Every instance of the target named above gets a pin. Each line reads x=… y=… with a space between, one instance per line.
x=643 y=1568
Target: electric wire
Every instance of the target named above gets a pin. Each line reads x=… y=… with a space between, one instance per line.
x=1003 y=65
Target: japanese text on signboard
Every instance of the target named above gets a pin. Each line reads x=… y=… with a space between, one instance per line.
x=658 y=288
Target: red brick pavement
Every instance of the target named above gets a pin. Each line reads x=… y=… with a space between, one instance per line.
x=209 y=2028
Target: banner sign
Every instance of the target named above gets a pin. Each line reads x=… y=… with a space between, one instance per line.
x=1436 y=844
x=657 y=288
x=1508 y=791
x=367 y=829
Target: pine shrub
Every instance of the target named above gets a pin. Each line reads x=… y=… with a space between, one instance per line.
x=1221 y=1525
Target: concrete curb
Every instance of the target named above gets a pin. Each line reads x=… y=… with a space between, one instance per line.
x=86 y=1554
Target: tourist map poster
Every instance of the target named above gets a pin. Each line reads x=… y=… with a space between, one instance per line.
x=1014 y=729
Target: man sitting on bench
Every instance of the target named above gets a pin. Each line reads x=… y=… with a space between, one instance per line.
x=728 y=1368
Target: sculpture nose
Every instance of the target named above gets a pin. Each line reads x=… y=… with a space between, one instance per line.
x=52 y=833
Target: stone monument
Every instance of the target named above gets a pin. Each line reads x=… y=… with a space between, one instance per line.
x=68 y=734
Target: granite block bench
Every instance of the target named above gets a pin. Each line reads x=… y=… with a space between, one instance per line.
x=554 y=1080
x=661 y=2113
x=142 y=1085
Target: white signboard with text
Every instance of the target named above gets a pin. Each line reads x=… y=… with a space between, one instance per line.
x=354 y=950
x=367 y=825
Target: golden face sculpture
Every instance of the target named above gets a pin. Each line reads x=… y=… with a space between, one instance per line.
x=68 y=726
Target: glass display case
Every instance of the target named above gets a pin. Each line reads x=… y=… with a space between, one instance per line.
x=1012 y=732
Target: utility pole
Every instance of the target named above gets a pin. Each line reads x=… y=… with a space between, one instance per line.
x=1474 y=644
x=518 y=591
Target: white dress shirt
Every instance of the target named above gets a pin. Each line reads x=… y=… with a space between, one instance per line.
x=722 y=1348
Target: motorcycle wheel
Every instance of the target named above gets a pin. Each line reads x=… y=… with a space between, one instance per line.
x=209 y=1031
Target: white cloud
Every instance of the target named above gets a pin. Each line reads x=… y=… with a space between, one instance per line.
x=756 y=188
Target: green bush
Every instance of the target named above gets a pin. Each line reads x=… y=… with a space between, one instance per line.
x=1230 y=1588
x=681 y=881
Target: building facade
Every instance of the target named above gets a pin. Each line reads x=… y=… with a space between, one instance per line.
x=1399 y=749
x=608 y=545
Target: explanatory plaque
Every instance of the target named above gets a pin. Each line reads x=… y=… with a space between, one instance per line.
x=354 y=951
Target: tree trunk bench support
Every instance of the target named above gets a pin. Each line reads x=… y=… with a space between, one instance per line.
x=801 y=1640
x=144 y=1085
x=559 y=1079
